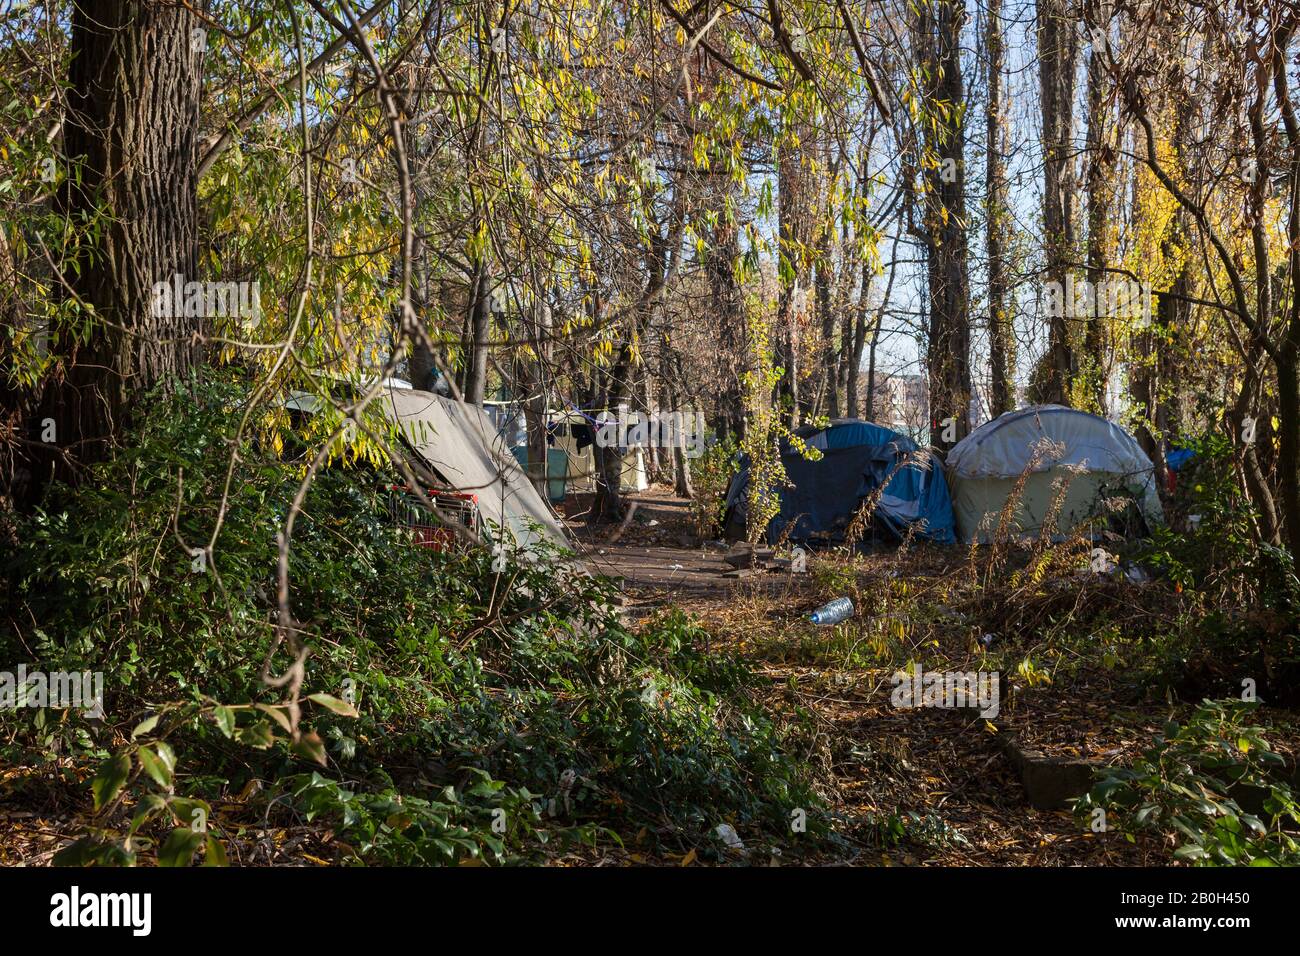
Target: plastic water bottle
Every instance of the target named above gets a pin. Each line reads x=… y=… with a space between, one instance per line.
x=832 y=613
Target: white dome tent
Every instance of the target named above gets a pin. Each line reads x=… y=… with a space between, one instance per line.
x=983 y=469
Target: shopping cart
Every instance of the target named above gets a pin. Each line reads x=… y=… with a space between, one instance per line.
x=430 y=530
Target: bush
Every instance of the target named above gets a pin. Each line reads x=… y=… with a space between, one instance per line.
x=711 y=476
x=1217 y=542
x=435 y=684
x=1190 y=787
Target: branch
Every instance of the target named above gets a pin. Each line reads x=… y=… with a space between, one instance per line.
x=868 y=71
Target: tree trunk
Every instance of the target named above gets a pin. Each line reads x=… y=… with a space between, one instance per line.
x=1002 y=341
x=948 y=348
x=822 y=287
x=130 y=138
x=682 y=486
x=1057 y=55
x=480 y=331
x=1252 y=473
x=536 y=326
x=724 y=296
x=1288 y=458
x=1101 y=170
x=790 y=188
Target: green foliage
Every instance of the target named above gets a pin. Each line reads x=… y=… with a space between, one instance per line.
x=1191 y=786
x=395 y=829
x=1218 y=543
x=711 y=475
x=765 y=429
x=435 y=683
x=894 y=829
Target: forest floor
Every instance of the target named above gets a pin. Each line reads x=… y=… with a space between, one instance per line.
x=1079 y=659
x=923 y=786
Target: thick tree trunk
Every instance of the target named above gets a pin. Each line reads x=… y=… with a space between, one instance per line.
x=130 y=142
x=830 y=365
x=1101 y=170
x=790 y=192
x=608 y=505
x=1288 y=458
x=1252 y=473
x=822 y=289
x=724 y=297
x=682 y=486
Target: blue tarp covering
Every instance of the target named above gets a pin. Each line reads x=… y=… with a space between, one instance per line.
x=1178 y=457
x=857 y=457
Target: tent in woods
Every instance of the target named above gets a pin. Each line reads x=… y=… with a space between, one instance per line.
x=459 y=443
x=462 y=447
x=572 y=432
x=1102 y=461
x=857 y=458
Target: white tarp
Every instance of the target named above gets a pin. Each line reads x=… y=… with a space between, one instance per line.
x=1003 y=447
x=982 y=466
x=460 y=442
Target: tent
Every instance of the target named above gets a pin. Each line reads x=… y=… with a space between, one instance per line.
x=564 y=428
x=571 y=433
x=460 y=443
x=984 y=467
x=857 y=457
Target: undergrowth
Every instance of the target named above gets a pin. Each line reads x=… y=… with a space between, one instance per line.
x=450 y=712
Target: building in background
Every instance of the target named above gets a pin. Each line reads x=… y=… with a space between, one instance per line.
x=902 y=403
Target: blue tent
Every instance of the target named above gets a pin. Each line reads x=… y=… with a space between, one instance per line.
x=857 y=457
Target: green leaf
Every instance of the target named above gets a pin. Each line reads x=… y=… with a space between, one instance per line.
x=110 y=779
x=215 y=854
x=149 y=807
x=155 y=767
x=166 y=755
x=146 y=725
x=258 y=735
x=311 y=747
x=279 y=714
x=340 y=707
x=90 y=852
x=183 y=809
x=180 y=847
x=225 y=718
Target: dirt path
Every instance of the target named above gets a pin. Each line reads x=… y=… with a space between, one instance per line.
x=661 y=562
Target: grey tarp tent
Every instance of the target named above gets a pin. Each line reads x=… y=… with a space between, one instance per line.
x=460 y=443
x=984 y=467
